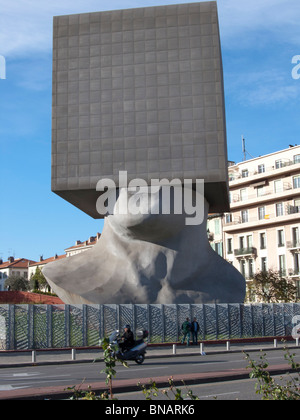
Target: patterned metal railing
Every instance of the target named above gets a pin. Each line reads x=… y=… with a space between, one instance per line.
x=58 y=326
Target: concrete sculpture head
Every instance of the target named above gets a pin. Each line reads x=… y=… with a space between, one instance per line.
x=144 y=258
x=141 y=91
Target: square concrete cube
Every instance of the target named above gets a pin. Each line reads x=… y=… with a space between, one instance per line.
x=138 y=90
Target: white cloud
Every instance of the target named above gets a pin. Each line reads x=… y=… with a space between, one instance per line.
x=267 y=87
x=26 y=25
x=246 y=26
x=240 y=19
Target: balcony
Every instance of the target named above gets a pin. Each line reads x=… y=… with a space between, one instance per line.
x=293 y=209
x=293 y=272
x=245 y=252
x=237 y=178
x=238 y=224
x=285 y=193
x=293 y=245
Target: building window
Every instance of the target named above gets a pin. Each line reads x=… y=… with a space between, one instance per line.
x=229 y=246
x=249 y=241
x=217 y=226
x=280 y=237
x=244 y=216
x=242 y=242
x=245 y=173
x=262 y=238
x=250 y=268
x=297 y=159
x=282 y=269
x=261 y=168
x=278 y=164
x=298 y=289
x=263 y=264
x=295 y=236
x=296 y=181
x=279 y=209
x=260 y=191
x=228 y=218
x=243 y=267
x=243 y=194
x=218 y=248
x=296 y=265
x=278 y=186
x=261 y=213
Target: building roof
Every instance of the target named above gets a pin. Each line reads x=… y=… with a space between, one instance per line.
x=294 y=148
x=47 y=260
x=90 y=242
x=18 y=263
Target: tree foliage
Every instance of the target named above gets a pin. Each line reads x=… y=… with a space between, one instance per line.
x=271 y=287
x=38 y=280
x=16 y=283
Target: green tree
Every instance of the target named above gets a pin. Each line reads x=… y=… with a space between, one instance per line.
x=16 y=283
x=271 y=287
x=38 y=280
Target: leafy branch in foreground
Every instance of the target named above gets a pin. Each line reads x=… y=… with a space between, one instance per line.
x=151 y=391
x=110 y=360
x=267 y=386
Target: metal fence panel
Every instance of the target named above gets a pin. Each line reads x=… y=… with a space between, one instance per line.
x=25 y=327
x=155 y=323
x=4 y=327
x=234 y=315
x=93 y=325
x=40 y=331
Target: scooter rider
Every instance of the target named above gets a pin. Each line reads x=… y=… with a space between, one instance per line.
x=127 y=339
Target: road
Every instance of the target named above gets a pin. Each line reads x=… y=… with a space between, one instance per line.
x=66 y=375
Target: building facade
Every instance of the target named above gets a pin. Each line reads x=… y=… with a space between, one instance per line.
x=80 y=246
x=41 y=263
x=13 y=267
x=262 y=230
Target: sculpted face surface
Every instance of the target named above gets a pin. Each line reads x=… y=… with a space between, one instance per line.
x=146 y=216
x=147 y=258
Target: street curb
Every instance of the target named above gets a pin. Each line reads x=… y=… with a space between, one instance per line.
x=121 y=386
x=148 y=356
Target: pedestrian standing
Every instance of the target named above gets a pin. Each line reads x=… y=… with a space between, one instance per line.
x=186 y=329
x=195 y=329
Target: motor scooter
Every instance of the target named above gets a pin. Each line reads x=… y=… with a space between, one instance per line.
x=136 y=353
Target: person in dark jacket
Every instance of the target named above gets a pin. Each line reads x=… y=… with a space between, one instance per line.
x=194 y=330
x=186 y=329
x=127 y=339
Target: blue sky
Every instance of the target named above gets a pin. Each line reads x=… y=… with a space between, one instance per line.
x=259 y=39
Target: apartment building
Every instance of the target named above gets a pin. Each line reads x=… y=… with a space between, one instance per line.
x=13 y=267
x=262 y=231
x=69 y=252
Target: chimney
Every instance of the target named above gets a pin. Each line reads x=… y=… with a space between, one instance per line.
x=11 y=259
x=1 y=261
x=77 y=242
x=41 y=258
